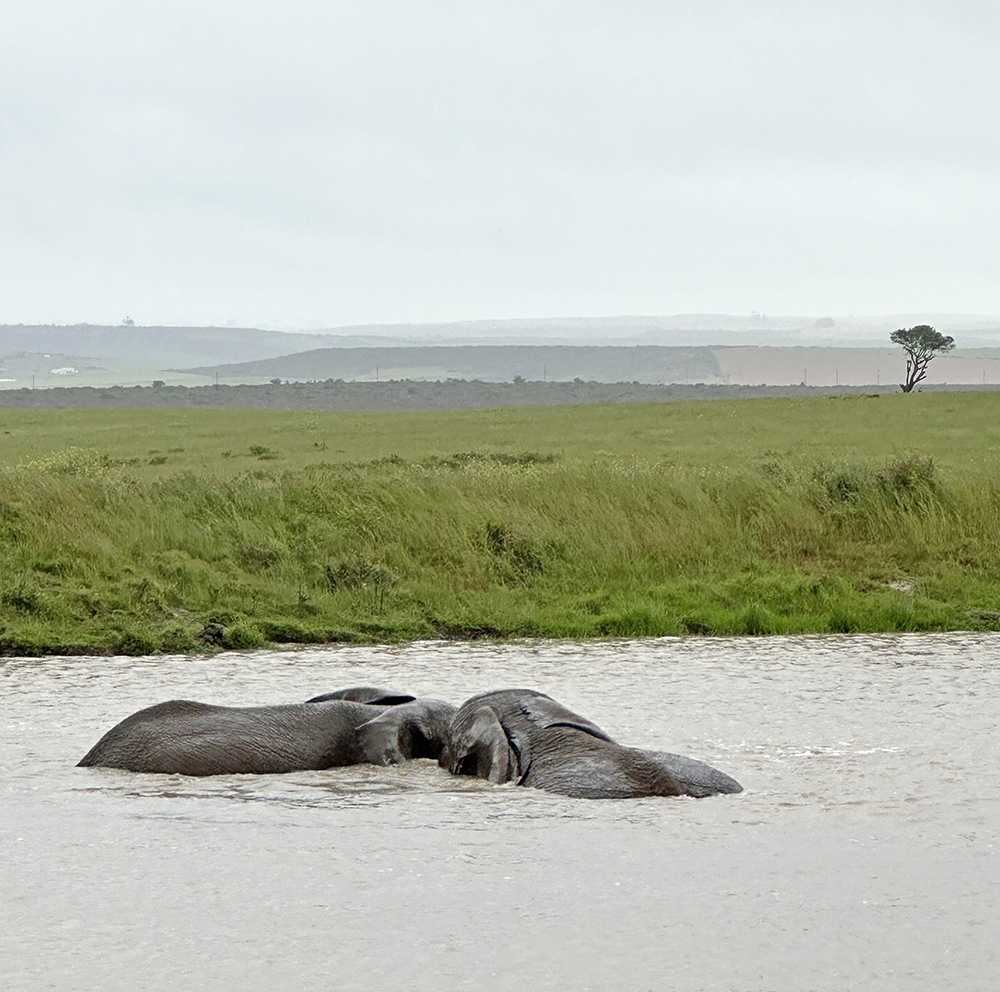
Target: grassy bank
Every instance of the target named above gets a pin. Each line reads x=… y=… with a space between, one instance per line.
x=173 y=532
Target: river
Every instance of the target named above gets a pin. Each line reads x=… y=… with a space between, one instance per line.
x=863 y=853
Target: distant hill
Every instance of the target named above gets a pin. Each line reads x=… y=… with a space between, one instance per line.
x=603 y=363
x=710 y=348
x=489 y=363
x=160 y=347
x=971 y=330
x=179 y=347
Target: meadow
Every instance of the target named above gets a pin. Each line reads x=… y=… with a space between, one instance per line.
x=188 y=530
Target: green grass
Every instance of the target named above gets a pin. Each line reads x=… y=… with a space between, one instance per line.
x=135 y=531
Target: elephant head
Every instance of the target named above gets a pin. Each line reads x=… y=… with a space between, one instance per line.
x=416 y=729
x=492 y=736
x=525 y=737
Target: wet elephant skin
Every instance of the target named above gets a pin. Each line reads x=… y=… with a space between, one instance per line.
x=192 y=738
x=526 y=737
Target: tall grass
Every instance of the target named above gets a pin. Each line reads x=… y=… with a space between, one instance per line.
x=95 y=555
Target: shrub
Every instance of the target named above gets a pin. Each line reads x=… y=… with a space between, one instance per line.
x=356 y=573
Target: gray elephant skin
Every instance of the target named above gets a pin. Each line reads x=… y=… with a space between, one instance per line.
x=348 y=727
x=526 y=737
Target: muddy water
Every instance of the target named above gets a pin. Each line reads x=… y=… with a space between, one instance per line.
x=862 y=855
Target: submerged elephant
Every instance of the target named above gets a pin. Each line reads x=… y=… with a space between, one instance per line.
x=349 y=727
x=526 y=737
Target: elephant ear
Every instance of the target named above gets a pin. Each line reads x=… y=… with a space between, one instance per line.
x=546 y=713
x=482 y=747
x=365 y=694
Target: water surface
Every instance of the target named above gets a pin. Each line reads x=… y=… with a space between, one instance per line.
x=862 y=855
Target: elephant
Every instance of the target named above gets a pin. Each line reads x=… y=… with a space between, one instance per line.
x=348 y=727
x=526 y=737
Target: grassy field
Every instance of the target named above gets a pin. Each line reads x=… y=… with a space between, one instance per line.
x=177 y=530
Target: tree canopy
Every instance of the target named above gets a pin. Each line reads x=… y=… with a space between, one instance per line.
x=921 y=344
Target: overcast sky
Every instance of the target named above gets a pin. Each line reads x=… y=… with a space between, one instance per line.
x=321 y=163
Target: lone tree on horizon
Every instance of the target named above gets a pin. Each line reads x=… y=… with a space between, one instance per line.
x=921 y=344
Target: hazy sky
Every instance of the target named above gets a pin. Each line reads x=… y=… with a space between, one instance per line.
x=319 y=163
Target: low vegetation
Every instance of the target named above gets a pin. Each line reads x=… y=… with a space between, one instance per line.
x=732 y=517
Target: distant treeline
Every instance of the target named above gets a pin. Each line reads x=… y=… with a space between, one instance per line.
x=453 y=394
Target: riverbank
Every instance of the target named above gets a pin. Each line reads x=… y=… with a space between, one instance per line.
x=754 y=517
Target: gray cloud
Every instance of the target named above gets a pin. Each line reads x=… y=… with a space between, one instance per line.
x=370 y=161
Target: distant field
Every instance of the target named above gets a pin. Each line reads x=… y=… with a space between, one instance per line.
x=138 y=530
